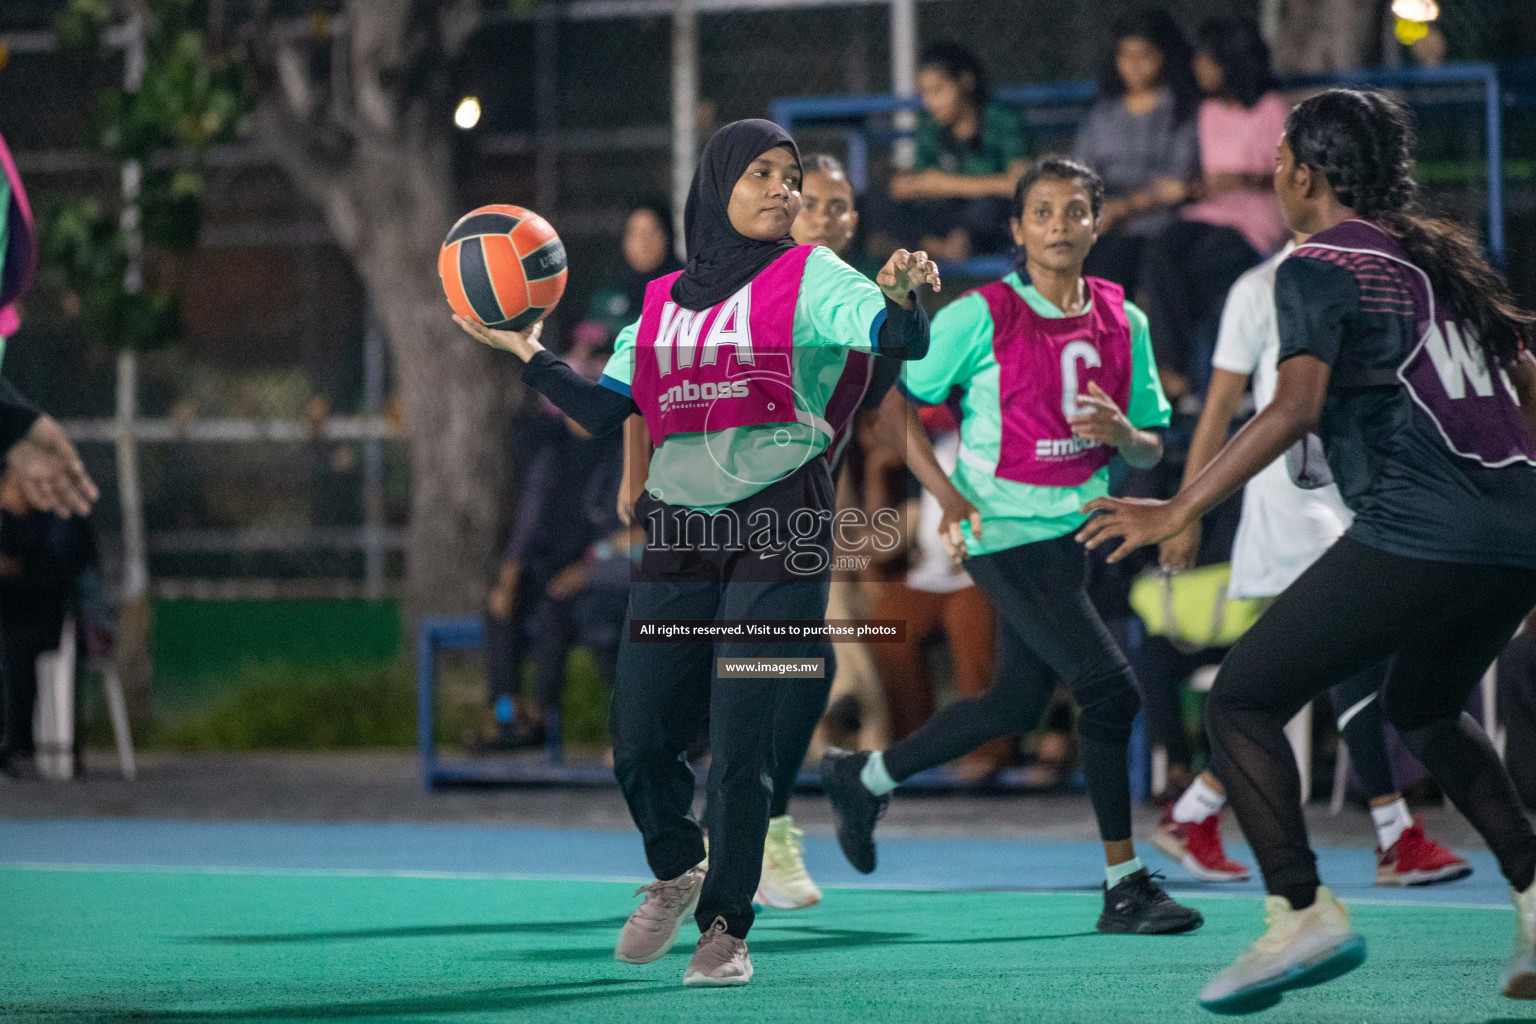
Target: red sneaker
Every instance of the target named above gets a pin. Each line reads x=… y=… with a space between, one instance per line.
x=1196 y=847
x=1416 y=859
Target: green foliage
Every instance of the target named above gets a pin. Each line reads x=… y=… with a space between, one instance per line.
x=584 y=711
x=80 y=26
x=192 y=96
x=84 y=249
x=279 y=706
x=282 y=705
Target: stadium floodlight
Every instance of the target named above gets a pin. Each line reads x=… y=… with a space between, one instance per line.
x=1416 y=10
x=468 y=113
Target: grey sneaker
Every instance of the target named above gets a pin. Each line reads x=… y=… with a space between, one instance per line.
x=652 y=928
x=719 y=960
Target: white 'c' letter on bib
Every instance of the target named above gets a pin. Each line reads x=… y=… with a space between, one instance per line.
x=1074 y=351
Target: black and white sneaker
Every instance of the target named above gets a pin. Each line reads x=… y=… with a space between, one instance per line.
x=1137 y=905
x=856 y=808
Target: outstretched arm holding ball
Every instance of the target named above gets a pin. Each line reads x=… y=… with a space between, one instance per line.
x=595 y=407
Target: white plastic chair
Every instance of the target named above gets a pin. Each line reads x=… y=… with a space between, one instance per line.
x=53 y=723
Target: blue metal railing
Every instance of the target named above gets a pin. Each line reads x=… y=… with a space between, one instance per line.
x=435 y=634
x=853 y=111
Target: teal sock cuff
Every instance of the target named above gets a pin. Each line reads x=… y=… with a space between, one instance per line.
x=874 y=776
x=1114 y=874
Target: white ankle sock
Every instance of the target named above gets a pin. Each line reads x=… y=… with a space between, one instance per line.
x=1391 y=821
x=1115 y=873
x=1199 y=802
x=874 y=776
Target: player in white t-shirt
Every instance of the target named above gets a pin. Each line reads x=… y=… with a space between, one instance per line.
x=1284 y=529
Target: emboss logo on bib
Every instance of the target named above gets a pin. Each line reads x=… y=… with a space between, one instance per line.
x=708 y=391
x=1063 y=448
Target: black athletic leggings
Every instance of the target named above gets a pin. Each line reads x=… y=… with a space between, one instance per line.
x=1047 y=629
x=1441 y=623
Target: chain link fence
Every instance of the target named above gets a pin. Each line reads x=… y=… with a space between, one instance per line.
x=271 y=454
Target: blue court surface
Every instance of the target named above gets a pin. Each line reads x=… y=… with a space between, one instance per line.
x=617 y=856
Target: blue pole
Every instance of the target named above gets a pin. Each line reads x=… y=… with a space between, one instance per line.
x=781 y=113
x=858 y=161
x=1494 y=111
x=426 y=694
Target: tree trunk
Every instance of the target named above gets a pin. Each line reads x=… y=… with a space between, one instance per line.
x=1318 y=36
x=368 y=141
x=457 y=396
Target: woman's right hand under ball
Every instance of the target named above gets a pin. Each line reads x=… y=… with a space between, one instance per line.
x=522 y=344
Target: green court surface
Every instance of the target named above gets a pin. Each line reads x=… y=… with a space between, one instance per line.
x=129 y=944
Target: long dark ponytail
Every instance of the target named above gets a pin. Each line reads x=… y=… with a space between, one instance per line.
x=1362 y=142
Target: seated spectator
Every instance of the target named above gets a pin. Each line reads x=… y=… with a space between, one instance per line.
x=1140 y=137
x=42 y=558
x=1237 y=220
x=563 y=581
x=969 y=154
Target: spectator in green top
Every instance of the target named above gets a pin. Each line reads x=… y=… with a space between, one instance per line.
x=969 y=154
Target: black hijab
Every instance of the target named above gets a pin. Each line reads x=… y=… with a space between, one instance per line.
x=720 y=258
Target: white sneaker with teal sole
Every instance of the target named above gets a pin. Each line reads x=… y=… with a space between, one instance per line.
x=785 y=883
x=1520 y=976
x=1300 y=949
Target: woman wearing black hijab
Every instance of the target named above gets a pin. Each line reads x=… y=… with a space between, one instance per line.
x=732 y=363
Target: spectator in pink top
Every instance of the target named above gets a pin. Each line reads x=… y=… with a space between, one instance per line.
x=1235 y=220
